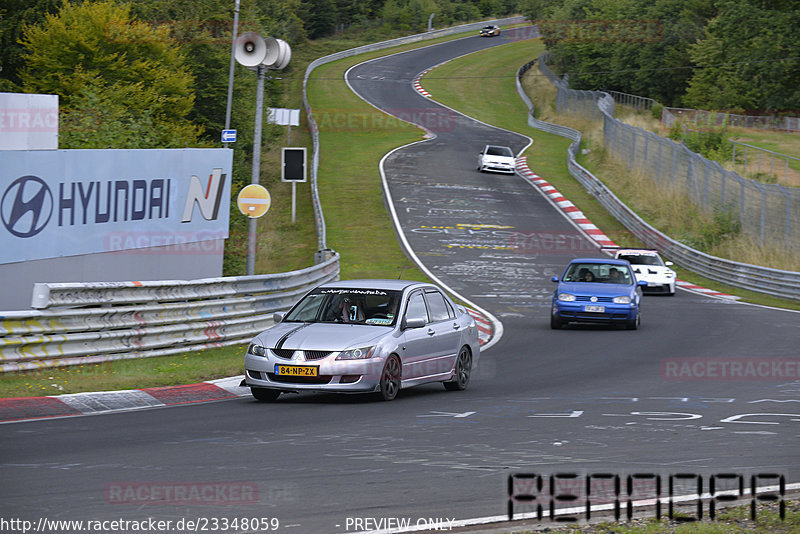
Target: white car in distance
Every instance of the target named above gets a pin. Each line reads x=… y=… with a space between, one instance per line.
x=496 y=158
x=649 y=267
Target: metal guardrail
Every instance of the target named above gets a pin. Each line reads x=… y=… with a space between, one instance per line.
x=82 y=323
x=312 y=125
x=752 y=277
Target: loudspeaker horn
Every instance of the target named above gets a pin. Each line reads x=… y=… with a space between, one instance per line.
x=251 y=49
x=273 y=51
x=284 y=56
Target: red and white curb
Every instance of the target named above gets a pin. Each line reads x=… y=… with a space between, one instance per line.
x=74 y=404
x=569 y=209
x=485 y=328
x=704 y=290
x=580 y=220
x=418 y=85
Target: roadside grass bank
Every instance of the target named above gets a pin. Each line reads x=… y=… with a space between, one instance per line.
x=354 y=137
x=185 y=368
x=547 y=157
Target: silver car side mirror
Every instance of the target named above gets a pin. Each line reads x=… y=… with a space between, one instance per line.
x=416 y=322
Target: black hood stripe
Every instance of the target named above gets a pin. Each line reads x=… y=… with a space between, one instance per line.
x=282 y=340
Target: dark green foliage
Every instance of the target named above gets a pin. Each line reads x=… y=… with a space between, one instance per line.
x=117 y=78
x=699 y=53
x=747 y=45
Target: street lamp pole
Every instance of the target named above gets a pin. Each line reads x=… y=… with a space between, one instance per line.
x=256 y=170
x=230 y=70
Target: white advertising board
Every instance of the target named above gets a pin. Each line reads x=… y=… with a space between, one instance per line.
x=60 y=203
x=28 y=121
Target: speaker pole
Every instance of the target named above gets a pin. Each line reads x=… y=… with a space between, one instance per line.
x=230 y=71
x=255 y=176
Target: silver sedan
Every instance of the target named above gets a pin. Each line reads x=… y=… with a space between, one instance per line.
x=361 y=336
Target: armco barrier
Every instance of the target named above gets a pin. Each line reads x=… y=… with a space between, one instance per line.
x=752 y=277
x=312 y=125
x=88 y=323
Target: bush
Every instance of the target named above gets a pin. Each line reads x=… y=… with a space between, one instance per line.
x=656 y=110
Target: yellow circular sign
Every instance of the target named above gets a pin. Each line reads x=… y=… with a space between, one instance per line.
x=253 y=201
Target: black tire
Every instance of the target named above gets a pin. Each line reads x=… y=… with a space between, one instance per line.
x=390 y=378
x=264 y=394
x=462 y=372
x=634 y=324
x=555 y=322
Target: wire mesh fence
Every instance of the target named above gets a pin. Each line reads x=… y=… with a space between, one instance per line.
x=714 y=118
x=769 y=212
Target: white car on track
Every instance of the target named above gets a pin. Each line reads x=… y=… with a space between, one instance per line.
x=649 y=267
x=496 y=158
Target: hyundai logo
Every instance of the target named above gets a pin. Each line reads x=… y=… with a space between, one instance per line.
x=27 y=206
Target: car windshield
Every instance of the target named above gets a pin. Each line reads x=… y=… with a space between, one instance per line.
x=608 y=273
x=499 y=151
x=642 y=259
x=376 y=307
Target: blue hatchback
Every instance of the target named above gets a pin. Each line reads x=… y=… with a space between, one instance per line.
x=597 y=290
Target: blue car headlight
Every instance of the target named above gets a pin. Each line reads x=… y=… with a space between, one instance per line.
x=566 y=297
x=256 y=350
x=357 y=354
x=622 y=300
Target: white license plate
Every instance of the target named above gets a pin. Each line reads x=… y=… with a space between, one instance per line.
x=595 y=309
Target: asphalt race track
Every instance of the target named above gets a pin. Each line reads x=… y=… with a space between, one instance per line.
x=583 y=400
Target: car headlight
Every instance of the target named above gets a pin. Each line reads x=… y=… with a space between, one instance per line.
x=357 y=354
x=566 y=297
x=622 y=300
x=256 y=350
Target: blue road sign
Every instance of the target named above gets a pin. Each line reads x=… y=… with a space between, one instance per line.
x=228 y=136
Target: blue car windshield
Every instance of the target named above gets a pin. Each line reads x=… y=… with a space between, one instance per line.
x=375 y=307
x=608 y=273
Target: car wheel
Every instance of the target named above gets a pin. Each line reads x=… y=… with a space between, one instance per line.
x=462 y=371
x=390 y=378
x=671 y=291
x=555 y=322
x=634 y=323
x=264 y=394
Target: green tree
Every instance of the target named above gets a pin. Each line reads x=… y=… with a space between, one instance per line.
x=744 y=50
x=98 y=51
x=320 y=17
x=632 y=46
x=14 y=15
